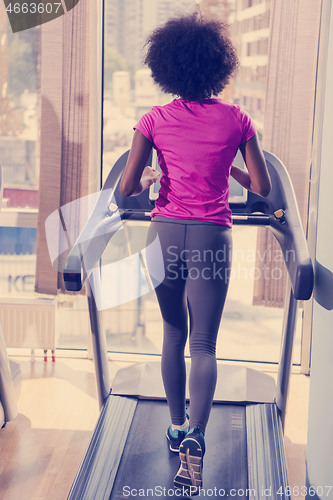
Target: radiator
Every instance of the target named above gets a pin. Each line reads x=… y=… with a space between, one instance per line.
x=29 y=323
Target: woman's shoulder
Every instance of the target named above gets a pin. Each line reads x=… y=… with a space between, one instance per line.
x=157 y=109
x=222 y=105
x=219 y=107
x=235 y=110
x=227 y=109
x=230 y=106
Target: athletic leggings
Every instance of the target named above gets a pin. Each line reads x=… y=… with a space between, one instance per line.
x=196 y=258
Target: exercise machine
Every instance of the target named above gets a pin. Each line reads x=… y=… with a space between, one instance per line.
x=245 y=453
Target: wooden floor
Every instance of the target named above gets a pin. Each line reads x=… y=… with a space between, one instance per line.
x=40 y=452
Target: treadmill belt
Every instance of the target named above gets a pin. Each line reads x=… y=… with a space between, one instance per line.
x=147 y=467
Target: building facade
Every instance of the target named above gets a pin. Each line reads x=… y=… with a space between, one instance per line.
x=128 y=22
x=250 y=25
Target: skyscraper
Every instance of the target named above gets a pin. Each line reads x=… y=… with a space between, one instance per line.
x=249 y=22
x=216 y=9
x=128 y=22
x=250 y=25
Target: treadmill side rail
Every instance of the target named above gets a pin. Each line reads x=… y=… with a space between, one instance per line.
x=267 y=469
x=95 y=478
x=267 y=474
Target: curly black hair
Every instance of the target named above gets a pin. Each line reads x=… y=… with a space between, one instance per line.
x=191 y=57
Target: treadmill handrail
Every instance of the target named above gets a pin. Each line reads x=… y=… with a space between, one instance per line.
x=102 y=225
x=290 y=234
x=288 y=231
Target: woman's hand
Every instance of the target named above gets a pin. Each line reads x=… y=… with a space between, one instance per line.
x=241 y=176
x=149 y=177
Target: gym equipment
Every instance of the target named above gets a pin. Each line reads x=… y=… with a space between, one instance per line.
x=245 y=454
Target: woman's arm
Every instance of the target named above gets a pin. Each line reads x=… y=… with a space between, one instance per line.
x=257 y=179
x=137 y=177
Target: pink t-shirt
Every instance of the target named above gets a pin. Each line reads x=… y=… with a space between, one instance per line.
x=196 y=143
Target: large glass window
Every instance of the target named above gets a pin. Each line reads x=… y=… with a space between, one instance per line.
x=29 y=319
x=248 y=332
x=19 y=127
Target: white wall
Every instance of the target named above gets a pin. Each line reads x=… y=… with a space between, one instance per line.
x=320 y=430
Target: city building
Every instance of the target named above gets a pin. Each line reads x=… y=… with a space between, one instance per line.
x=250 y=25
x=216 y=9
x=128 y=22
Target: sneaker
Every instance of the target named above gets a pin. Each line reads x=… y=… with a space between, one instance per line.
x=176 y=437
x=191 y=452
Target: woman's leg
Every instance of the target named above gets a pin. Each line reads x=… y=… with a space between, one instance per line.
x=172 y=301
x=207 y=284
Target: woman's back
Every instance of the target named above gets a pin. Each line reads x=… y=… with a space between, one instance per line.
x=196 y=142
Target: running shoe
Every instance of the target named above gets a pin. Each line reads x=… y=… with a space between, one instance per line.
x=176 y=437
x=191 y=452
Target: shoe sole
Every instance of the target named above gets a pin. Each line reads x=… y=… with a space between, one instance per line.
x=174 y=450
x=189 y=475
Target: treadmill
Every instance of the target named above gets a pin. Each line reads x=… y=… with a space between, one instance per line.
x=127 y=456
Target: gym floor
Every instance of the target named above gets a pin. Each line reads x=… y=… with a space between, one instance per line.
x=41 y=451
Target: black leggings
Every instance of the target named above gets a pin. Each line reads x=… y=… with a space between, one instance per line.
x=197 y=260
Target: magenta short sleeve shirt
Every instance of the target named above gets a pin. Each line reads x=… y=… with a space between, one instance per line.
x=196 y=143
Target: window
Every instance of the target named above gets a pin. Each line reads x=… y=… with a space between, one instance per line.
x=121 y=111
x=19 y=146
x=128 y=93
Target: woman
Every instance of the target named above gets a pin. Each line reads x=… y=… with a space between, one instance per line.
x=196 y=137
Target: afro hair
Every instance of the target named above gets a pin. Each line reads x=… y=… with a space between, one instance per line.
x=191 y=57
